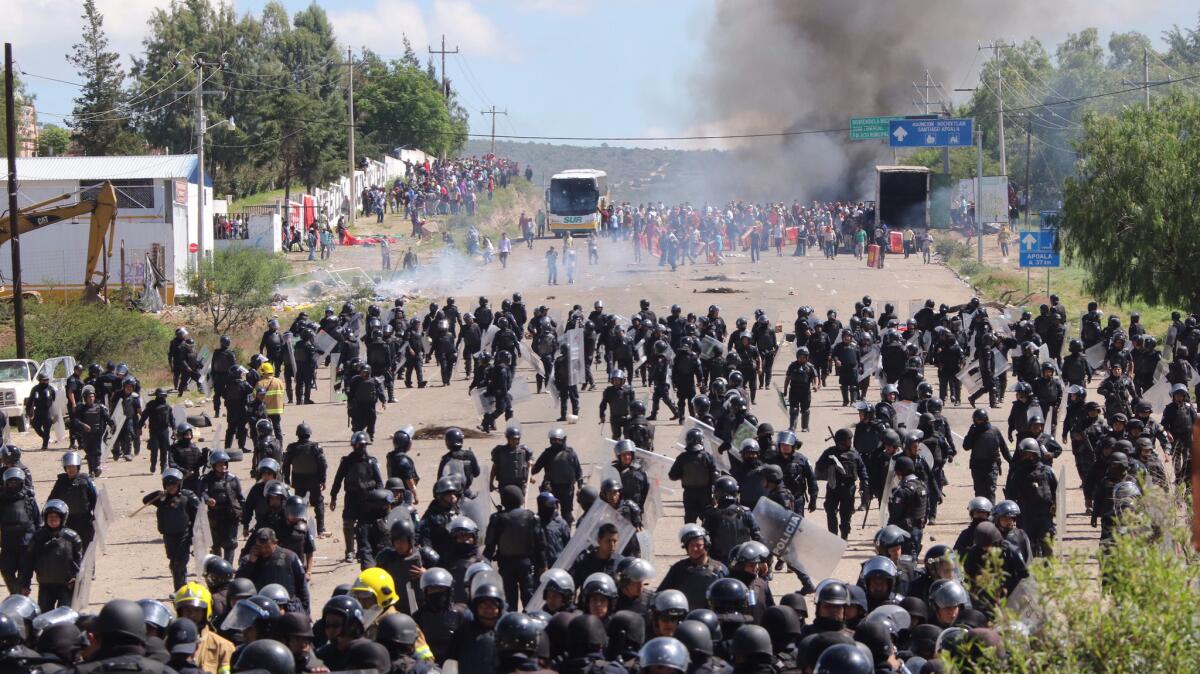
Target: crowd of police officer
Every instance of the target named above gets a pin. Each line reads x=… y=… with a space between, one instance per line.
x=437 y=585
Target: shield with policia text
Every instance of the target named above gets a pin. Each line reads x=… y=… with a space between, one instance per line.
x=575 y=352
x=585 y=535
x=802 y=543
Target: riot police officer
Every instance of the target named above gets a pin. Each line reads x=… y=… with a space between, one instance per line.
x=186 y=457
x=305 y=469
x=842 y=466
x=222 y=492
x=359 y=472
x=515 y=542
x=54 y=555
x=799 y=383
x=19 y=518
x=563 y=471
x=908 y=504
x=986 y=444
x=696 y=472
x=694 y=574
x=78 y=491
x=177 y=508
x=616 y=400
x=511 y=462
x=729 y=522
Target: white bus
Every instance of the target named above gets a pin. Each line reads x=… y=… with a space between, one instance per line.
x=574 y=200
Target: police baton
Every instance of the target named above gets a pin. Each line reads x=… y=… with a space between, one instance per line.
x=147 y=504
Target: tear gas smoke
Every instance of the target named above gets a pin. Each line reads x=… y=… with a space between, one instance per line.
x=812 y=64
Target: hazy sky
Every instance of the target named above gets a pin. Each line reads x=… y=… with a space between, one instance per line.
x=561 y=68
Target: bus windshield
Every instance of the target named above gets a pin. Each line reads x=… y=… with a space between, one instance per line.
x=573 y=196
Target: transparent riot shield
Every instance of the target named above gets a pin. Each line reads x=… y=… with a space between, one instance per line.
x=1060 y=508
x=802 y=543
x=1095 y=354
x=585 y=535
x=889 y=483
x=640 y=351
x=657 y=467
x=870 y=364
x=102 y=517
x=485 y=341
x=1159 y=395
x=118 y=419
x=711 y=441
x=746 y=431
x=782 y=400
x=333 y=374
x=1001 y=364
x=59 y=413
x=970 y=378
x=325 y=342
x=179 y=410
x=1043 y=353
x=205 y=357
x=519 y=390
x=711 y=348
x=289 y=351
x=480 y=507
x=83 y=582
x=534 y=362
x=484 y=404
x=201 y=538
x=1023 y=602
x=906 y=414
x=575 y=351
x=914 y=306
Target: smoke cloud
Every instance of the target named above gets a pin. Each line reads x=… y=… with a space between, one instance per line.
x=813 y=64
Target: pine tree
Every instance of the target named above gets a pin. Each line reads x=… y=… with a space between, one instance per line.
x=100 y=120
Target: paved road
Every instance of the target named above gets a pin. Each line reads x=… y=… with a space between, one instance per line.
x=135 y=565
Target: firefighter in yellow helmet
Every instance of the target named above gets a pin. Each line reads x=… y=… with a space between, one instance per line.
x=213 y=651
x=276 y=390
x=376 y=591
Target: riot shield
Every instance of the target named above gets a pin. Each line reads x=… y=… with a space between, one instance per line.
x=1060 y=508
x=206 y=366
x=889 y=483
x=179 y=410
x=970 y=378
x=711 y=441
x=640 y=351
x=479 y=508
x=782 y=400
x=485 y=342
x=575 y=350
x=333 y=374
x=1043 y=353
x=747 y=431
x=711 y=348
x=1001 y=364
x=914 y=306
x=289 y=351
x=325 y=342
x=118 y=419
x=1000 y=325
x=83 y=582
x=519 y=390
x=201 y=538
x=484 y=404
x=1159 y=395
x=534 y=362
x=906 y=414
x=103 y=516
x=59 y=412
x=585 y=535
x=802 y=543
x=57 y=368
x=1024 y=603
x=1095 y=354
x=870 y=363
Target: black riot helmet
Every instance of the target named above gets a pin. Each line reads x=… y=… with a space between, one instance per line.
x=454 y=439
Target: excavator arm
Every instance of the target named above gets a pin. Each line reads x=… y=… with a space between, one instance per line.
x=103 y=211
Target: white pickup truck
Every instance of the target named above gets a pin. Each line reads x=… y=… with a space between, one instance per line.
x=17 y=378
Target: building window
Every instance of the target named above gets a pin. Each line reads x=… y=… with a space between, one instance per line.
x=138 y=193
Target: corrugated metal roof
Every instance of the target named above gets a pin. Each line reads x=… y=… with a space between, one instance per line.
x=107 y=168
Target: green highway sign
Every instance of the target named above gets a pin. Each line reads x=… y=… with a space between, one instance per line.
x=870 y=128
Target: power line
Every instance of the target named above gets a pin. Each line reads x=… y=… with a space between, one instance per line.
x=1089 y=97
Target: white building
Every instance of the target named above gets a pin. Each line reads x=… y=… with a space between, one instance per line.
x=156 y=219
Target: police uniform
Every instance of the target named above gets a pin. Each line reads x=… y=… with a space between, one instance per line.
x=359 y=472
x=223 y=517
x=305 y=469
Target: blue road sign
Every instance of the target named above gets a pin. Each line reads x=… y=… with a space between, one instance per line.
x=930 y=132
x=1037 y=249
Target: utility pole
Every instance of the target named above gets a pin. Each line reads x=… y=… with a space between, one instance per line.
x=14 y=213
x=203 y=229
x=1146 y=82
x=923 y=91
x=352 y=196
x=443 y=51
x=493 y=112
x=1028 y=205
x=996 y=47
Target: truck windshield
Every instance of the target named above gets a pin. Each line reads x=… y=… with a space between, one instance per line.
x=14 y=371
x=573 y=196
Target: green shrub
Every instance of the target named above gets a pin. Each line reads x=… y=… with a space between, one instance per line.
x=1142 y=618
x=95 y=333
x=233 y=286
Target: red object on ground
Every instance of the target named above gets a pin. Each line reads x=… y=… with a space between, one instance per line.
x=873 y=255
x=895 y=242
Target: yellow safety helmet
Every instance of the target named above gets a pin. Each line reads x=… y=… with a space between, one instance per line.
x=195 y=595
x=266 y=369
x=378 y=583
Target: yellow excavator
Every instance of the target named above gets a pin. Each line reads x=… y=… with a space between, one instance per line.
x=101 y=206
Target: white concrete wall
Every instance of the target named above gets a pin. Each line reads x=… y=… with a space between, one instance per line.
x=264 y=234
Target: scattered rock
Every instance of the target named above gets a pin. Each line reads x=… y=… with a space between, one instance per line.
x=437 y=432
x=722 y=290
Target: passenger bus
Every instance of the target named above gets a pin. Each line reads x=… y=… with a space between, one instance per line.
x=574 y=200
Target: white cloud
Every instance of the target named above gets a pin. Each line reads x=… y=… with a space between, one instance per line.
x=380 y=26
